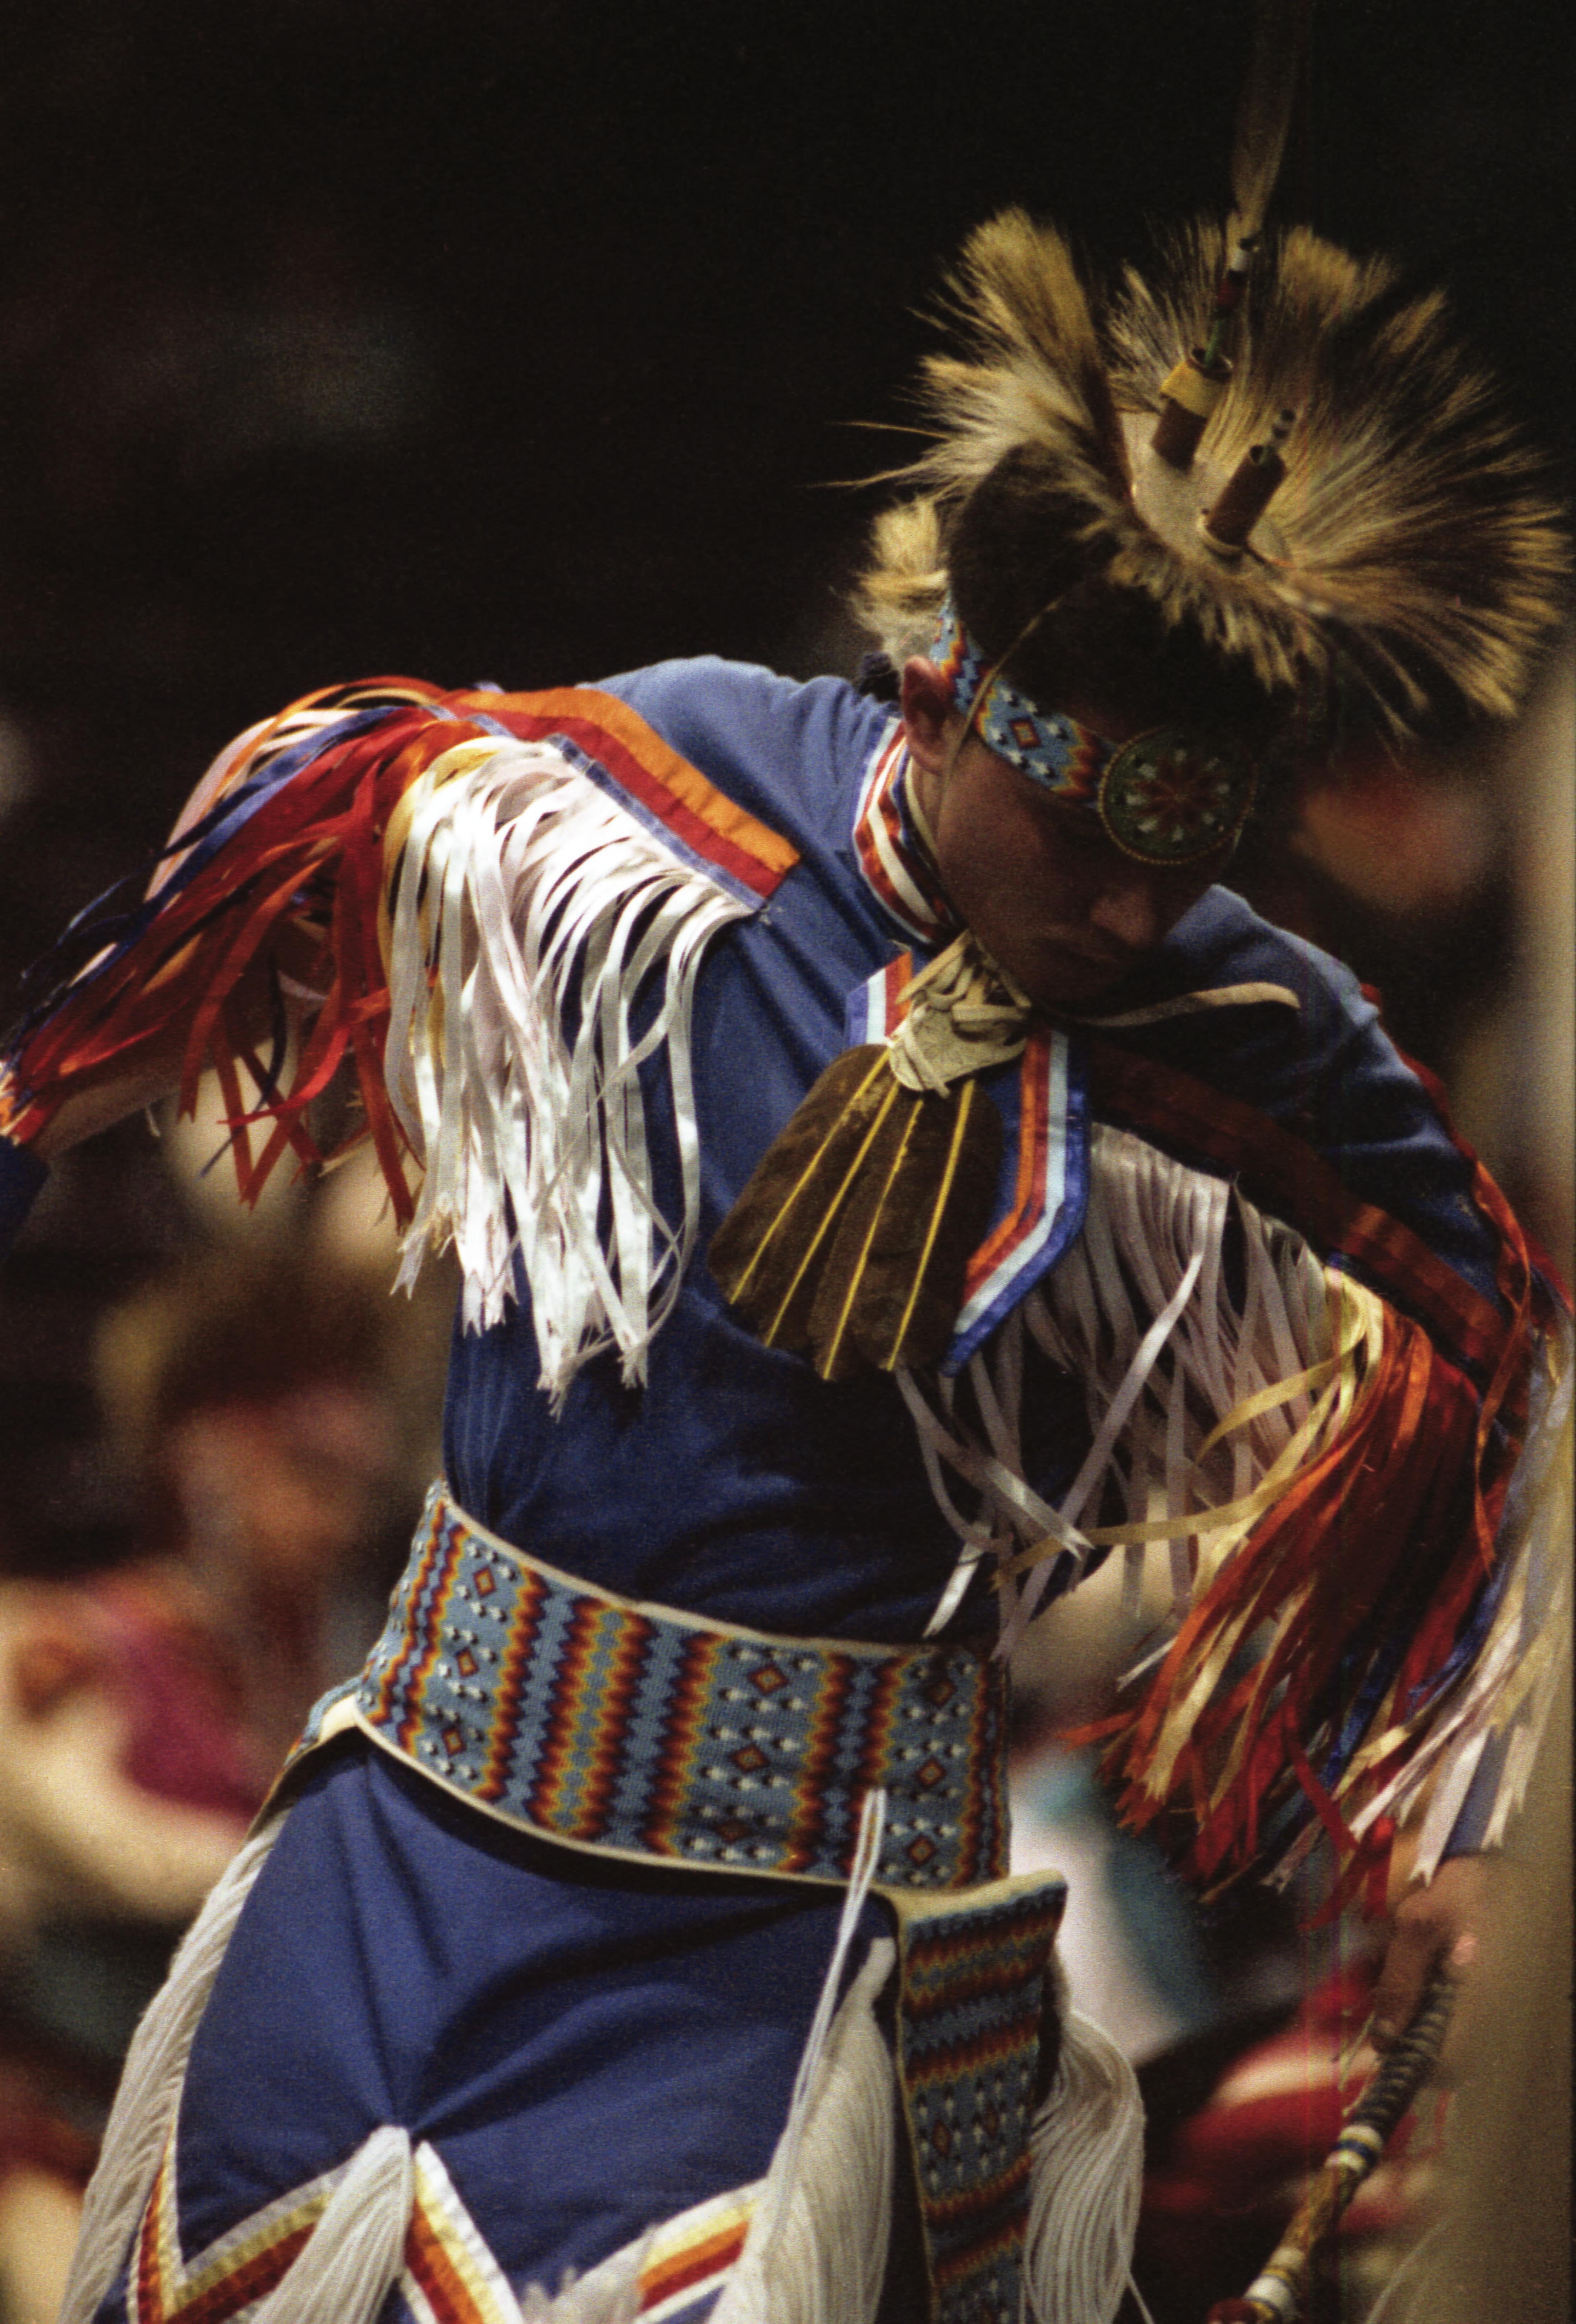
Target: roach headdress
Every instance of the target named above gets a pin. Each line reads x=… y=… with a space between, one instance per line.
x=1340 y=497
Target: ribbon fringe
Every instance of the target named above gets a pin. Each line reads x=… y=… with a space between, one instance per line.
x=1351 y=1547
x=472 y=922
x=532 y=913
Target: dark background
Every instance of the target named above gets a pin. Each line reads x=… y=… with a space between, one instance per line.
x=521 y=340
x=524 y=341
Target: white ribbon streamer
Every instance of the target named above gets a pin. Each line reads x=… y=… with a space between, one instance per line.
x=534 y=913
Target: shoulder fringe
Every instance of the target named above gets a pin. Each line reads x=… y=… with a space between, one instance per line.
x=534 y=913
x=1353 y=1560
x=1505 y=1699
x=489 y=1015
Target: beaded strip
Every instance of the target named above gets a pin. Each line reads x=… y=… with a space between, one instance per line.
x=972 y=2008
x=1167 y=796
x=633 y=1730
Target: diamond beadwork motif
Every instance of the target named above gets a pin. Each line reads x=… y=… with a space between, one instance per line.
x=588 y=1720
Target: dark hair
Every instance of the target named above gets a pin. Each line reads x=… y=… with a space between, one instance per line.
x=1021 y=556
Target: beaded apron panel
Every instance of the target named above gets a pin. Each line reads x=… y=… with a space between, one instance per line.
x=972 y=2012
x=634 y=1730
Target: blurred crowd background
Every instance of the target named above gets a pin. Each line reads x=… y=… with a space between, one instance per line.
x=517 y=340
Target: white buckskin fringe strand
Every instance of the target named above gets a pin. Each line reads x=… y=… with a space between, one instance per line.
x=1088 y=2148
x=149 y=2087
x=529 y=903
x=816 y=2251
x=357 y=2251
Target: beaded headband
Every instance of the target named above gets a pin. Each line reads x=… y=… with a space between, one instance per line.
x=1167 y=796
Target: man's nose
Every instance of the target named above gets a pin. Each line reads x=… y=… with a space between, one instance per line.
x=1131 y=911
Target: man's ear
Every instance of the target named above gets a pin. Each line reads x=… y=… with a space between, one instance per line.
x=930 y=720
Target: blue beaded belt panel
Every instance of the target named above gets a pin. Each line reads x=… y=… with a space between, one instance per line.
x=976 y=1989
x=634 y=1730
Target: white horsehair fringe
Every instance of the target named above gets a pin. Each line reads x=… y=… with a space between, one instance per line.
x=816 y=2250
x=533 y=912
x=356 y=2252
x=149 y=2095
x=612 y=2298
x=1087 y=2145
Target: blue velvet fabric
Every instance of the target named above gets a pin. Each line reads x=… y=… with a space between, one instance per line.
x=591 y=2045
x=803 y=1505
x=22 y=1175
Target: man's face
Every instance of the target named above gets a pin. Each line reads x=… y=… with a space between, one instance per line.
x=1050 y=896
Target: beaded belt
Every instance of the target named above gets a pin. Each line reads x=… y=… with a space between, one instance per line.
x=635 y=1730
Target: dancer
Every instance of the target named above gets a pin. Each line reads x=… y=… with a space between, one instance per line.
x=889 y=1173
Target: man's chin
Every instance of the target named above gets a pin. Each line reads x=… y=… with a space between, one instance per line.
x=1074 y=980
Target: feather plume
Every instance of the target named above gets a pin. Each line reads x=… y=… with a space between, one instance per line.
x=1264 y=112
x=1414 y=548
x=906 y=579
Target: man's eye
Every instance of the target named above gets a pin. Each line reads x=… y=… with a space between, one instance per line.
x=1071 y=827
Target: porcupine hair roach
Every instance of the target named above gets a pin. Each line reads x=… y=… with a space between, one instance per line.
x=1414 y=556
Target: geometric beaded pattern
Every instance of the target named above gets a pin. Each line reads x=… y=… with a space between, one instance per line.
x=1049 y=746
x=1167 y=795
x=972 y=2018
x=633 y=1730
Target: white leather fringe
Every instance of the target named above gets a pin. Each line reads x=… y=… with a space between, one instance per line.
x=1088 y=2150
x=150 y=2088
x=533 y=911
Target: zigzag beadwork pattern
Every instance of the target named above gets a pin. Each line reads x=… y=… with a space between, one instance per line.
x=448 y=2275
x=971 y=2012
x=634 y=1730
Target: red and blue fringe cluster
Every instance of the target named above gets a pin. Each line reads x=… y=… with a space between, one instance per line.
x=1377 y=1576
